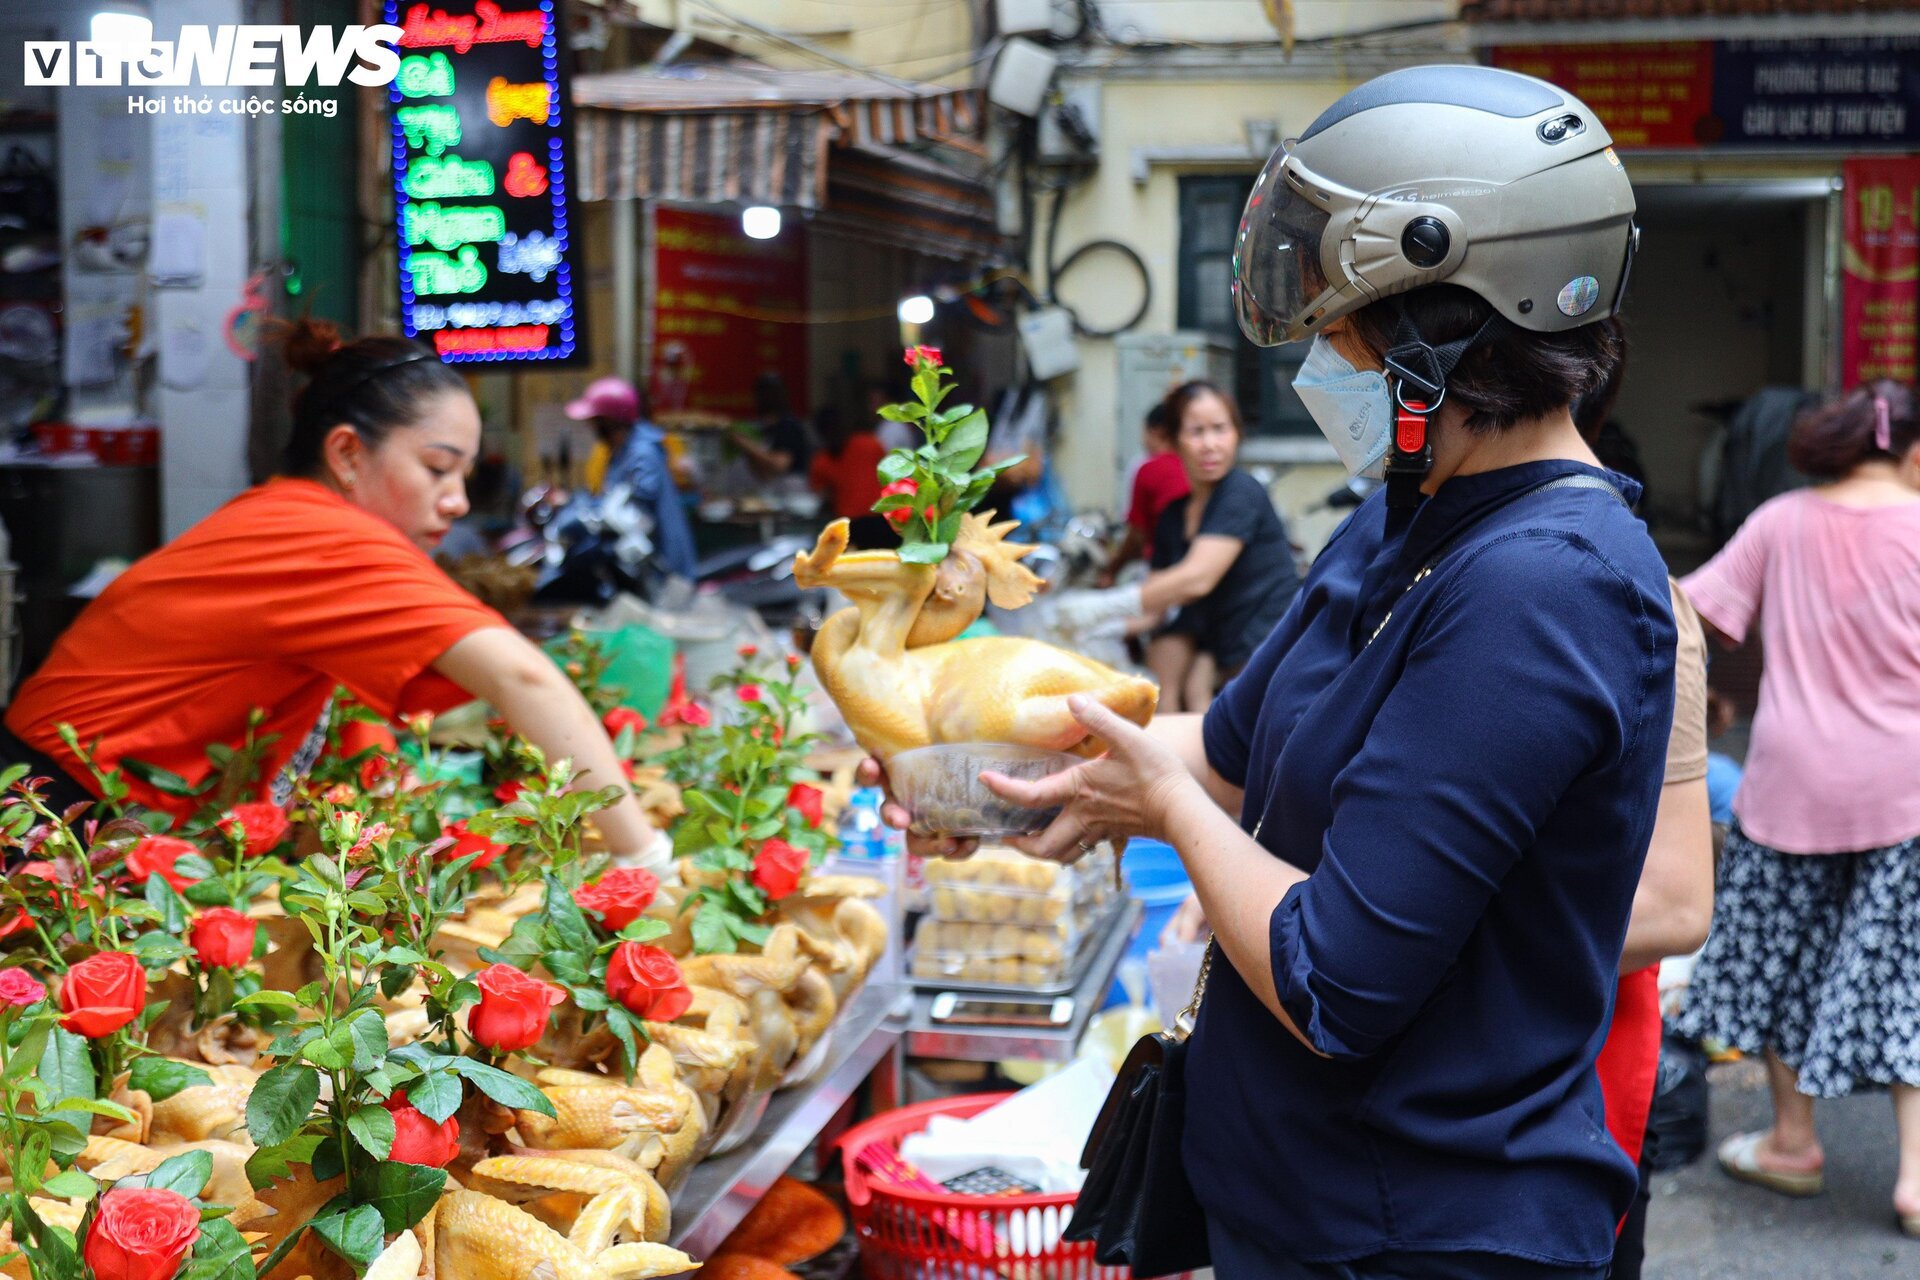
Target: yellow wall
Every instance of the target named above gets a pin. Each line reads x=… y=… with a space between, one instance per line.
x=915 y=39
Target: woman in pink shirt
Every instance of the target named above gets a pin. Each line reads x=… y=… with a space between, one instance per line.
x=1815 y=952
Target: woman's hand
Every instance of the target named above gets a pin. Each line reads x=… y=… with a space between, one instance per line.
x=1129 y=791
x=872 y=774
x=1189 y=924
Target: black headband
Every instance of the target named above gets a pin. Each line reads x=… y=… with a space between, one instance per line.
x=415 y=357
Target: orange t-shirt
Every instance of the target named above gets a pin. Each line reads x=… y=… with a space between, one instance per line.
x=851 y=476
x=271 y=602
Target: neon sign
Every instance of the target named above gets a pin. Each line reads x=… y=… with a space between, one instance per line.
x=425 y=76
x=444 y=177
x=482 y=133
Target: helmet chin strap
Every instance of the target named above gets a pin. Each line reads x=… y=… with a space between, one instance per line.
x=1417 y=371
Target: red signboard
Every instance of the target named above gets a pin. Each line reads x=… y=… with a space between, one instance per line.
x=1881 y=258
x=1648 y=95
x=733 y=305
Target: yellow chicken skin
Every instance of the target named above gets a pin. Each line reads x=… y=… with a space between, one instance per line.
x=990 y=689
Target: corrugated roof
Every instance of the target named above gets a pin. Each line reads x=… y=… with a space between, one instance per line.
x=739 y=86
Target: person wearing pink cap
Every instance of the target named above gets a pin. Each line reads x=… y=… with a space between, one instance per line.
x=618 y=412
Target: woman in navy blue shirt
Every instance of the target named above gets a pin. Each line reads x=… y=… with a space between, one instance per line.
x=1446 y=759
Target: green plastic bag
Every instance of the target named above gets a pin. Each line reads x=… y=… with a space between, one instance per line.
x=639 y=664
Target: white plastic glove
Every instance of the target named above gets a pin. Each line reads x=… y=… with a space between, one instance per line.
x=1097 y=613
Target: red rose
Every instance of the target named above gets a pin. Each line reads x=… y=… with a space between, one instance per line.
x=221 y=938
x=102 y=994
x=140 y=1234
x=808 y=800
x=900 y=515
x=619 y=896
x=778 y=868
x=156 y=855
x=265 y=825
x=466 y=842
x=513 y=1009
x=691 y=714
x=35 y=870
x=508 y=792
x=374 y=770
x=623 y=718
x=418 y=1140
x=748 y=651
x=647 y=981
x=924 y=355
x=18 y=987
x=749 y=693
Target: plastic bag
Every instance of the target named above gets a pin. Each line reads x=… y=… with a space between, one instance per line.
x=639 y=664
x=1677 y=1125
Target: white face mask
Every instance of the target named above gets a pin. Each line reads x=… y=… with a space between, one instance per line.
x=1354 y=410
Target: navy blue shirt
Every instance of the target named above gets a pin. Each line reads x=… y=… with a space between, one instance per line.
x=1472 y=794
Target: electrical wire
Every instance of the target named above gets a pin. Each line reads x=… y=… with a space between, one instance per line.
x=1056 y=270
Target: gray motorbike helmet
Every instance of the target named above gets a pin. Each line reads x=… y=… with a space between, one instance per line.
x=1479 y=177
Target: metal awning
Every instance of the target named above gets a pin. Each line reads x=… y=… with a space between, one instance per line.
x=738 y=132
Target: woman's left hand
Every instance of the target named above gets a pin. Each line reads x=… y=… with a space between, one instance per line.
x=1129 y=791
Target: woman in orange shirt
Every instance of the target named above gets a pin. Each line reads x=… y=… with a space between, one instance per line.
x=319 y=578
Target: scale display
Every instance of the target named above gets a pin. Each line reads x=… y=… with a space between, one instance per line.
x=482 y=131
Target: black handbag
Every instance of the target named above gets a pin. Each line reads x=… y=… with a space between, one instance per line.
x=1137 y=1206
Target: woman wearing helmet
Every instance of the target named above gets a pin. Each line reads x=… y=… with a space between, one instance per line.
x=1440 y=753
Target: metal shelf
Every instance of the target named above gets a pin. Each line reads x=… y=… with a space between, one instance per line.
x=720 y=1191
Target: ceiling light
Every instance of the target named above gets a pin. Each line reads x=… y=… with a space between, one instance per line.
x=760 y=221
x=916 y=310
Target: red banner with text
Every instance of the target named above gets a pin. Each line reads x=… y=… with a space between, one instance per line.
x=725 y=309
x=1880 y=239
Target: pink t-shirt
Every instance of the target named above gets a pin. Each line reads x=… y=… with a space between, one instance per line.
x=1837 y=734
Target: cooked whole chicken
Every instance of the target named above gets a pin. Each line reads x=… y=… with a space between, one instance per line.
x=902 y=681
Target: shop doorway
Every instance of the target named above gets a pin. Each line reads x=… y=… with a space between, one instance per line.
x=1729 y=295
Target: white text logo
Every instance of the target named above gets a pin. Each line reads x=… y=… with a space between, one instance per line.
x=224 y=56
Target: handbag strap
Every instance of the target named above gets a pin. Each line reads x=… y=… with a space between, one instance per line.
x=1183 y=1024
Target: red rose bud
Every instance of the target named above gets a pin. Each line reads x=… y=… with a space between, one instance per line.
x=20 y=988
x=647 y=981
x=418 y=1140
x=156 y=855
x=221 y=938
x=140 y=1234
x=924 y=355
x=619 y=896
x=793 y=662
x=623 y=718
x=778 y=868
x=265 y=826
x=374 y=770
x=748 y=651
x=35 y=870
x=749 y=693
x=691 y=714
x=808 y=800
x=900 y=515
x=508 y=792
x=102 y=994
x=466 y=842
x=513 y=1010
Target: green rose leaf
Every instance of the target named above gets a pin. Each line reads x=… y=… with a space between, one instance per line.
x=402 y=1193
x=436 y=1095
x=69 y=1184
x=66 y=1068
x=896 y=466
x=372 y=1127
x=358 y=1234
x=270 y=1164
x=281 y=1101
x=966 y=441
x=221 y=1253
x=171 y=908
x=923 y=552
x=504 y=1088
x=368 y=1035
x=187 y=1173
x=161 y=1078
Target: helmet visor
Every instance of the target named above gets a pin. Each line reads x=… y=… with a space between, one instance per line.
x=1276 y=259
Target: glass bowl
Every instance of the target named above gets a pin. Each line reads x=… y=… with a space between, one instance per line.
x=940 y=786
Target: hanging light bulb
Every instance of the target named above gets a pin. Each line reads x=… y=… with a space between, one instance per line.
x=916 y=310
x=121 y=26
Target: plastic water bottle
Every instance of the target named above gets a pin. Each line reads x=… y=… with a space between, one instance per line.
x=862 y=833
x=869 y=847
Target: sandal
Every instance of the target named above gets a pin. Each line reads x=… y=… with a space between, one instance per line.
x=1739 y=1157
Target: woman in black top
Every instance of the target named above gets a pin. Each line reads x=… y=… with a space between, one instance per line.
x=1222 y=563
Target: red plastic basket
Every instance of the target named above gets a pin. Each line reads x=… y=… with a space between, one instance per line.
x=908 y=1234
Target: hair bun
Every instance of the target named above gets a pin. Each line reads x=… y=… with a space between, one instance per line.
x=309 y=344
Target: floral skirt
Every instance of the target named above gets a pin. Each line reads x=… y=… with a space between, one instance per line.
x=1817 y=957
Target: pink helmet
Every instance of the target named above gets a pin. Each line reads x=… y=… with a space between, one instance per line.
x=614 y=398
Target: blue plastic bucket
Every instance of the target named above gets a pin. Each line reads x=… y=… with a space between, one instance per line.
x=1159 y=883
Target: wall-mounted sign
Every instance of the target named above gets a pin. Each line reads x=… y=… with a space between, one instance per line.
x=1880 y=297
x=482 y=131
x=729 y=303
x=1854 y=93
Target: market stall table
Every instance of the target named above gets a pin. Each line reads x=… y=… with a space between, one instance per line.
x=929 y=1039
x=722 y=1189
